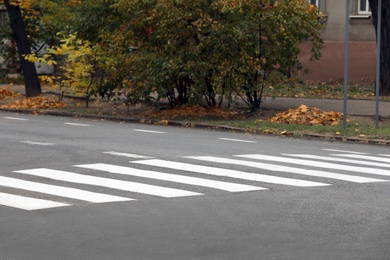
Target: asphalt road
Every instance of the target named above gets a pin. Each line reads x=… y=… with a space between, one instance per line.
x=87 y=189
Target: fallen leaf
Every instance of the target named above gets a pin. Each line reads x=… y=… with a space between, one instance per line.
x=4 y=93
x=34 y=103
x=304 y=115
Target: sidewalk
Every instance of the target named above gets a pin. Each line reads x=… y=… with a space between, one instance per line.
x=354 y=107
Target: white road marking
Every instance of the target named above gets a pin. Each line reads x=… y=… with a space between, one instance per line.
x=16 y=118
x=148 y=131
x=36 y=143
x=317 y=164
x=109 y=183
x=343 y=151
x=278 y=168
x=27 y=203
x=386 y=155
x=325 y=158
x=237 y=140
x=230 y=173
x=59 y=191
x=227 y=186
x=76 y=124
x=129 y=155
x=363 y=157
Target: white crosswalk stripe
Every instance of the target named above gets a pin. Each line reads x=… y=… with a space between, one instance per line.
x=317 y=164
x=109 y=183
x=230 y=173
x=325 y=158
x=227 y=186
x=364 y=157
x=278 y=168
x=59 y=191
x=27 y=203
x=186 y=173
x=386 y=155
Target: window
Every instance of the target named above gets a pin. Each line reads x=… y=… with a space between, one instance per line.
x=315 y=2
x=364 y=7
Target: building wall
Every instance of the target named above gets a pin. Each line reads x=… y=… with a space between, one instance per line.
x=331 y=66
x=362 y=46
x=361 y=26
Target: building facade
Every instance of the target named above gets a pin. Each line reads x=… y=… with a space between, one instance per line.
x=362 y=43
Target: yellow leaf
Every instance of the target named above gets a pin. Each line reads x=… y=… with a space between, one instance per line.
x=51 y=62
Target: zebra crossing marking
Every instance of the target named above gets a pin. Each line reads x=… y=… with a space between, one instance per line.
x=317 y=164
x=227 y=186
x=230 y=173
x=59 y=191
x=325 y=158
x=27 y=203
x=364 y=157
x=109 y=183
x=278 y=168
x=386 y=155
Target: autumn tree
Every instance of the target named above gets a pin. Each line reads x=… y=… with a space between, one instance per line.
x=88 y=60
x=31 y=81
x=187 y=52
x=35 y=24
x=385 y=43
x=191 y=51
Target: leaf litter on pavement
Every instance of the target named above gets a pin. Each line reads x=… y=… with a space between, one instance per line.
x=4 y=94
x=304 y=115
x=32 y=102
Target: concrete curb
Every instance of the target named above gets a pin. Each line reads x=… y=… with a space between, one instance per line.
x=378 y=142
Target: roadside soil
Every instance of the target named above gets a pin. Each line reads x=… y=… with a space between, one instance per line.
x=12 y=99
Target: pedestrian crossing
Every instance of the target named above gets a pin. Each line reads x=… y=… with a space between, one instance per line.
x=186 y=176
x=227 y=186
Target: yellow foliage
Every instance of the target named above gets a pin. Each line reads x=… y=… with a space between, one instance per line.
x=78 y=66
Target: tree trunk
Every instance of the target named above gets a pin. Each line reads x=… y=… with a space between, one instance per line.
x=31 y=81
x=385 y=43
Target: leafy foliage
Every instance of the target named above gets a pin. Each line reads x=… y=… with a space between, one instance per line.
x=213 y=49
x=79 y=61
x=201 y=52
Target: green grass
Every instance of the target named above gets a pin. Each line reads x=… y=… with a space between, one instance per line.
x=366 y=131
